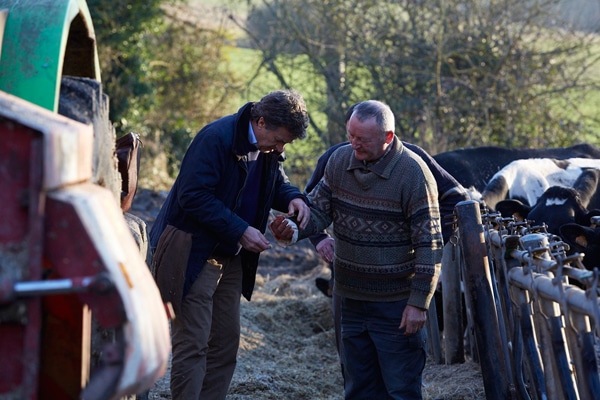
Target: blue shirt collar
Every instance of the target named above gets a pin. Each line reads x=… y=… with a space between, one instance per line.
x=251 y=135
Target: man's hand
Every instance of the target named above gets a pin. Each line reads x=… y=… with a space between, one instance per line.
x=281 y=229
x=413 y=319
x=299 y=208
x=254 y=241
x=325 y=249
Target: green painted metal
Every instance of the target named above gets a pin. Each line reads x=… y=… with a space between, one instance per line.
x=34 y=44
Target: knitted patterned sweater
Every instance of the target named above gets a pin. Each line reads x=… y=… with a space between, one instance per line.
x=386 y=224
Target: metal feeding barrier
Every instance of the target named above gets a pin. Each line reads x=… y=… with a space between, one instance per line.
x=532 y=307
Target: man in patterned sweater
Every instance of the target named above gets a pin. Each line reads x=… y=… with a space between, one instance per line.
x=382 y=200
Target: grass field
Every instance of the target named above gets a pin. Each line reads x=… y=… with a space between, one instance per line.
x=246 y=64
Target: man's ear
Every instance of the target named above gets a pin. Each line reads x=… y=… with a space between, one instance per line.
x=389 y=136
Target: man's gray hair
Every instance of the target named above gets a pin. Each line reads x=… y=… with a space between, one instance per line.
x=376 y=109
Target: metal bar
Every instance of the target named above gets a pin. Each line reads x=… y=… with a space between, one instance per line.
x=525 y=337
x=562 y=360
x=573 y=298
x=57 y=286
x=10 y=292
x=555 y=324
x=543 y=285
x=582 y=346
x=501 y=319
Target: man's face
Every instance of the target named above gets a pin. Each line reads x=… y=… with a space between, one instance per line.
x=366 y=139
x=273 y=139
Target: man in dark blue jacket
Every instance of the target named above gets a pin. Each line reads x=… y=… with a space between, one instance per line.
x=230 y=178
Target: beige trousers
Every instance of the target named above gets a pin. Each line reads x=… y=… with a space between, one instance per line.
x=206 y=334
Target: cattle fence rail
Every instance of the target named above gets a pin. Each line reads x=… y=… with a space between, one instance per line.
x=533 y=311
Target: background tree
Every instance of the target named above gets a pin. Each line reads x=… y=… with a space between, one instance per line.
x=166 y=74
x=456 y=72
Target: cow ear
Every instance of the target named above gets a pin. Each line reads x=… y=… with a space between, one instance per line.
x=511 y=207
x=586 y=220
x=586 y=184
x=576 y=236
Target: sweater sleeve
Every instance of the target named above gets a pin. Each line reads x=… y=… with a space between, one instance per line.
x=422 y=207
x=314 y=180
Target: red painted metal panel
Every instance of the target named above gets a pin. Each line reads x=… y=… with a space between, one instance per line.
x=51 y=214
x=71 y=251
x=21 y=216
x=14 y=175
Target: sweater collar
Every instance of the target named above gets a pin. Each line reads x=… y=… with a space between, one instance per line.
x=384 y=165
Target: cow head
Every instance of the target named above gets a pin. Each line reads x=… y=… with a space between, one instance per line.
x=513 y=208
x=556 y=207
x=583 y=239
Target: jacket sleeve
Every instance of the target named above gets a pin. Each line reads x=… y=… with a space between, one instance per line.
x=320 y=167
x=450 y=191
x=284 y=190
x=203 y=175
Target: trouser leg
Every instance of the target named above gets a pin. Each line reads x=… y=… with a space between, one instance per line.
x=362 y=374
x=337 y=324
x=224 y=337
x=381 y=362
x=193 y=332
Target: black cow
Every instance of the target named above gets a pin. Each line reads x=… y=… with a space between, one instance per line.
x=474 y=167
x=583 y=239
x=558 y=205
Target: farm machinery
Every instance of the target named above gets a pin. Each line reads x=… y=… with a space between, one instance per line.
x=80 y=314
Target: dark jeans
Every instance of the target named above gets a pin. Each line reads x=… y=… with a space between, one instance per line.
x=380 y=362
x=336 y=305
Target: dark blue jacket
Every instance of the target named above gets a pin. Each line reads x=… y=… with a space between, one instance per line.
x=207 y=193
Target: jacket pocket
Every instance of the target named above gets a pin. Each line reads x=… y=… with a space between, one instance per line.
x=169 y=265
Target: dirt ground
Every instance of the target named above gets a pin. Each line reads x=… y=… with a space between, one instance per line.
x=287 y=348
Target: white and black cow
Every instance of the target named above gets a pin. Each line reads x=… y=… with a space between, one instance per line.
x=583 y=239
x=558 y=205
x=474 y=167
x=526 y=180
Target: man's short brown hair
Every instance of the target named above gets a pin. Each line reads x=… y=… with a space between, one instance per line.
x=283 y=108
